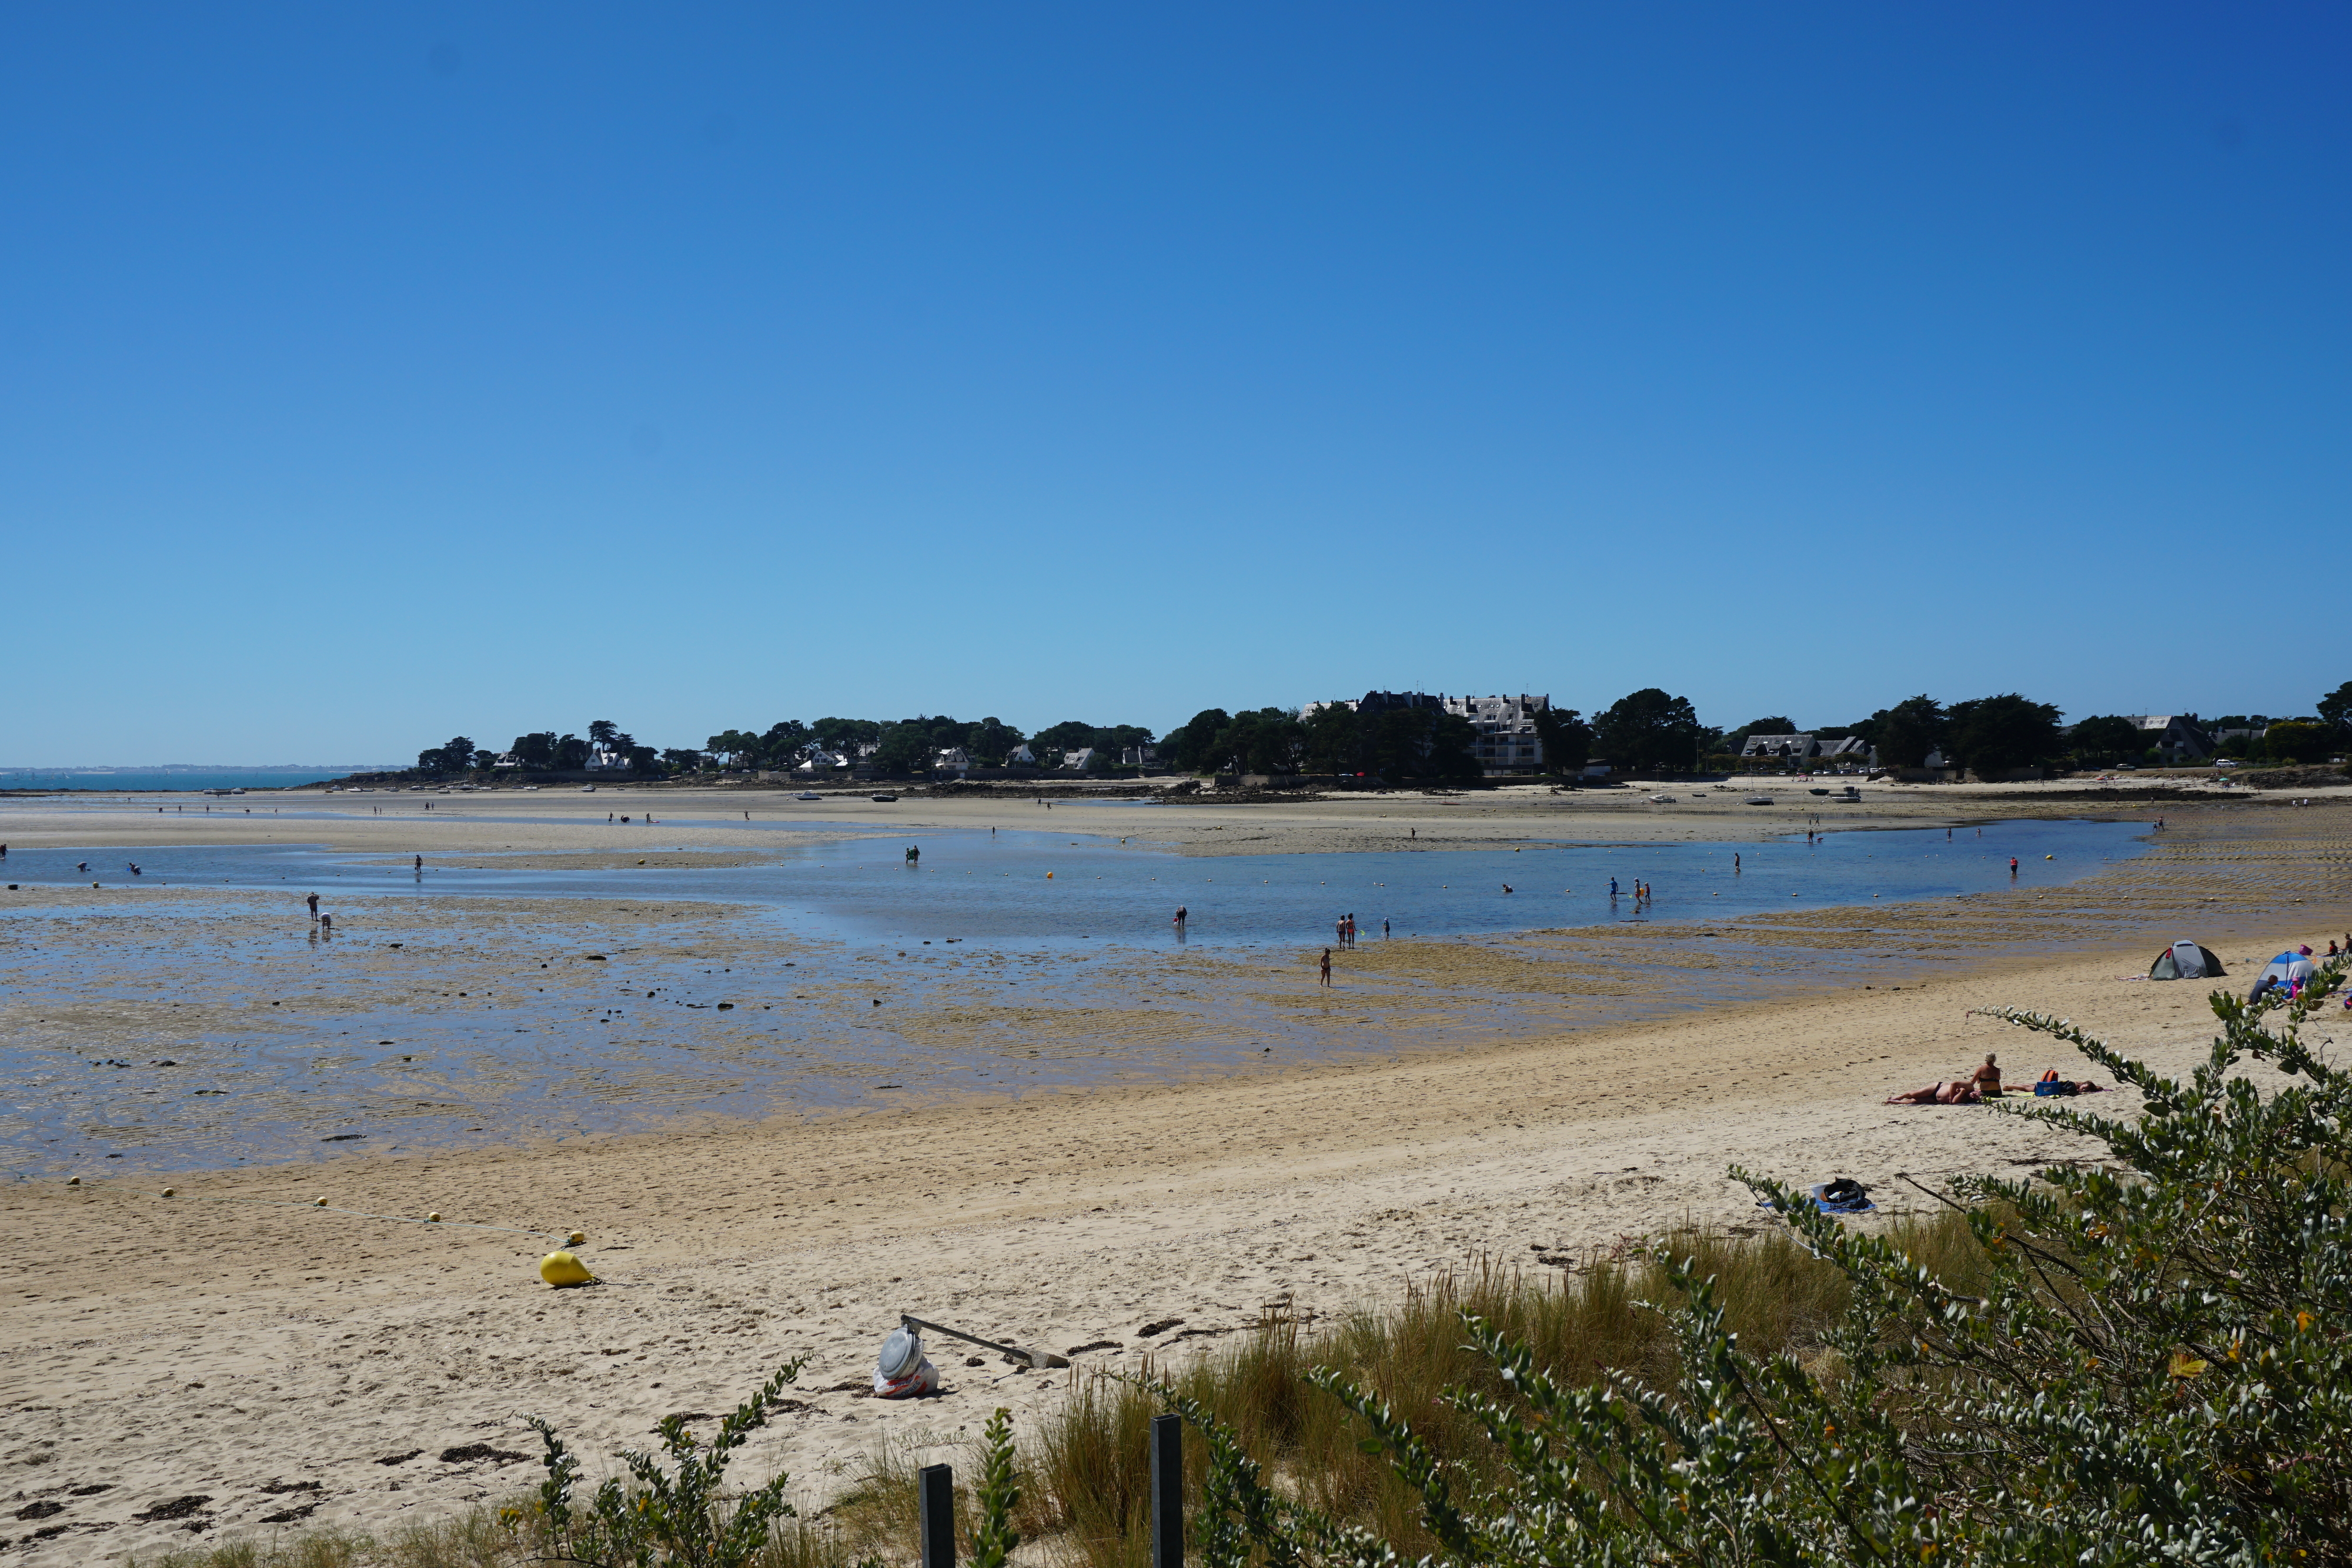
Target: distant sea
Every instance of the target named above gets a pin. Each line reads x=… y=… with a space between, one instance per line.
x=131 y=778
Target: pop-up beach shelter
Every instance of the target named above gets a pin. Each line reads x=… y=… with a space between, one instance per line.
x=2184 y=960
x=2288 y=968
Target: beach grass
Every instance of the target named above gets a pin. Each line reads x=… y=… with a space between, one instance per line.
x=1086 y=1466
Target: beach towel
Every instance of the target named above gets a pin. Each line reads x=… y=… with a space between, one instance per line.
x=1842 y=1195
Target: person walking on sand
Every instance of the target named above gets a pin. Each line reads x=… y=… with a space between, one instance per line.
x=313 y=902
x=1327 y=966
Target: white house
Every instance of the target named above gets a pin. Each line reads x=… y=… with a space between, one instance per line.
x=955 y=759
x=1138 y=757
x=1022 y=755
x=1078 y=761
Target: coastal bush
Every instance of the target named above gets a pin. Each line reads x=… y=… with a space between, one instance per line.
x=2146 y=1358
x=1088 y=1459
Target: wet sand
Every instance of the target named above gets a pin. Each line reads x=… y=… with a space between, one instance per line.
x=234 y=1337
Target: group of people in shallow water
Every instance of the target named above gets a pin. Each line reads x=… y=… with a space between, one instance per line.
x=1985 y=1084
x=1640 y=890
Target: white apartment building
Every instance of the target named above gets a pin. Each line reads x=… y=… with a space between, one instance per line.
x=1507 y=742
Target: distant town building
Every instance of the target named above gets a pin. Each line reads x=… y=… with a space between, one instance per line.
x=955 y=759
x=602 y=760
x=1843 y=748
x=1078 y=761
x=1138 y=757
x=1022 y=755
x=1507 y=742
x=2178 y=737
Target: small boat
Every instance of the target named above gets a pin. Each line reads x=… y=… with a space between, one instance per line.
x=885 y=799
x=1816 y=792
x=1759 y=799
x=808 y=795
x=1661 y=800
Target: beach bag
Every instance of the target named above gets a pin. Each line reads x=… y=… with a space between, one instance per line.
x=2050 y=1087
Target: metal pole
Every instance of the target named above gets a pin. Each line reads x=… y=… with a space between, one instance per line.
x=1167 y=1492
x=937 y=1485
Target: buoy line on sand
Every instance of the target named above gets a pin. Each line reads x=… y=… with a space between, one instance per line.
x=559 y=1268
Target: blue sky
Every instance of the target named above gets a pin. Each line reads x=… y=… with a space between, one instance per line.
x=369 y=374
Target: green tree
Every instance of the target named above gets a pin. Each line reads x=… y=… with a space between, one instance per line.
x=1909 y=731
x=782 y=742
x=1068 y=736
x=681 y=762
x=1993 y=735
x=453 y=756
x=602 y=731
x=571 y=754
x=1649 y=731
x=1567 y=739
x=1335 y=739
x=842 y=734
x=2336 y=710
x=483 y=759
x=2105 y=738
x=1264 y=740
x=992 y=740
x=2293 y=740
x=535 y=750
x=905 y=748
x=1190 y=745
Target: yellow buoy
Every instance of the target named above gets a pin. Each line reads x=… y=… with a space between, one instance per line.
x=2050 y=857
x=575 y=1238
x=75 y=1181
x=562 y=1268
x=434 y=1217
x=168 y=1192
x=1049 y=876
x=318 y=1203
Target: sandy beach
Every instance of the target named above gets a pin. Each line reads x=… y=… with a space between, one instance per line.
x=236 y=1338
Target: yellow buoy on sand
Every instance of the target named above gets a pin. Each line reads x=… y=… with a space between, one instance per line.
x=73 y=1181
x=561 y=1269
x=575 y=1238
x=168 y=1192
x=434 y=1217
x=318 y=1203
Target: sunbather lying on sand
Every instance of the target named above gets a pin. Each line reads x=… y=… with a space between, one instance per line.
x=1957 y=1091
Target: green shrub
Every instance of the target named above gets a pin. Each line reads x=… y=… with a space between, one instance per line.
x=2147 y=1362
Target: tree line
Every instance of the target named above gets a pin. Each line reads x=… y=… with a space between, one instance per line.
x=1648 y=731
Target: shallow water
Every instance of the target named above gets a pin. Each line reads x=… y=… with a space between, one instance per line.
x=1038 y=889
x=213 y=1033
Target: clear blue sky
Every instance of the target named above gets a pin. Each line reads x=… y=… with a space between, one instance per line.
x=373 y=373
